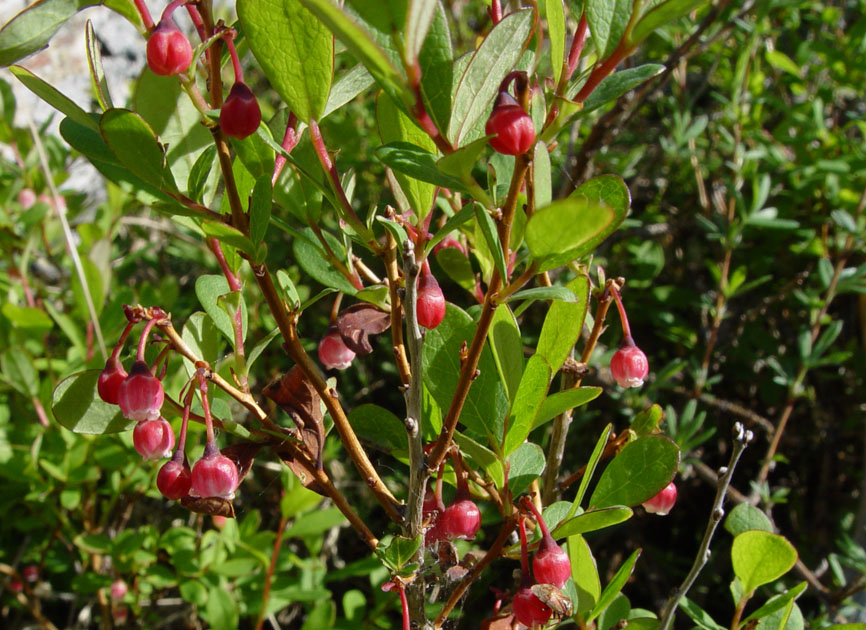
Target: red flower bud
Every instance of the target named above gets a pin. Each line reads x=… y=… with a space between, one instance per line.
x=174 y=479
x=168 y=50
x=110 y=380
x=529 y=610
x=430 y=305
x=629 y=366
x=118 y=589
x=214 y=475
x=240 y=114
x=153 y=439
x=514 y=133
x=30 y=573
x=461 y=519
x=333 y=352
x=551 y=564
x=662 y=503
x=140 y=395
x=27 y=198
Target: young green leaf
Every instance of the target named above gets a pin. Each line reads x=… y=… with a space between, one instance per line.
x=760 y=557
x=614 y=586
x=524 y=466
x=607 y=21
x=617 y=84
x=436 y=61
x=527 y=402
x=416 y=162
x=504 y=336
x=52 y=96
x=208 y=288
x=563 y=324
x=94 y=62
x=592 y=521
x=661 y=14
x=555 y=10
x=33 y=27
x=495 y=58
x=745 y=517
x=638 y=473
x=260 y=209
x=585 y=575
x=295 y=50
x=562 y=401
x=132 y=140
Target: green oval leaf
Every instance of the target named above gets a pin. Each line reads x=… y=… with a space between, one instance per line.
x=295 y=50
x=379 y=426
x=52 y=96
x=77 y=406
x=416 y=162
x=558 y=402
x=132 y=140
x=638 y=473
x=208 y=289
x=566 y=229
x=524 y=466
x=617 y=84
x=760 y=557
x=563 y=324
x=31 y=29
x=662 y=14
x=527 y=402
x=364 y=48
x=592 y=521
x=745 y=517
x=495 y=57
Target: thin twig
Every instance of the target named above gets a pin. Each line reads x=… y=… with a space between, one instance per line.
x=413 y=525
x=742 y=437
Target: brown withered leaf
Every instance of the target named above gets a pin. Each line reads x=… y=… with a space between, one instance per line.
x=299 y=470
x=215 y=506
x=297 y=397
x=358 y=322
x=242 y=454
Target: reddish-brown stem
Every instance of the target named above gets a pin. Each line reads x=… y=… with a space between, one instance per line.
x=404 y=605
x=623 y=318
x=195 y=17
x=622 y=51
x=217 y=250
x=229 y=38
x=290 y=141
x=144 y=12
x=392 y=270
x=470 y=363
x=266 y=590
x=576 y=48
x=331 y=170
x=495 y=12
x=491 y=555
x=142 y=342
x=208 y=420
x=40 y=411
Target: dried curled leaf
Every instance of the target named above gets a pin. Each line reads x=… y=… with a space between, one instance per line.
x=215 y=506
x=358 y=322
x=242 y=454
x=297 y=396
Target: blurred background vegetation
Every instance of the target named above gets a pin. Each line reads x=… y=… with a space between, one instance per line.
x=743 y=255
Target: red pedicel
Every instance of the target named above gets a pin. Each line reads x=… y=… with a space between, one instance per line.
x=168 y=50
x=514 y=133
x=240 y=114
x=140 y=396
x=430 y=305
x=662 y=503
x=333 y=352
x=629 y=366
x=214 y=475
x=153 y=439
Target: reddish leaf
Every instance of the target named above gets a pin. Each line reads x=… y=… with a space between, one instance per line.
x=359 y=321
x=242 y=454
x=295 y=395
